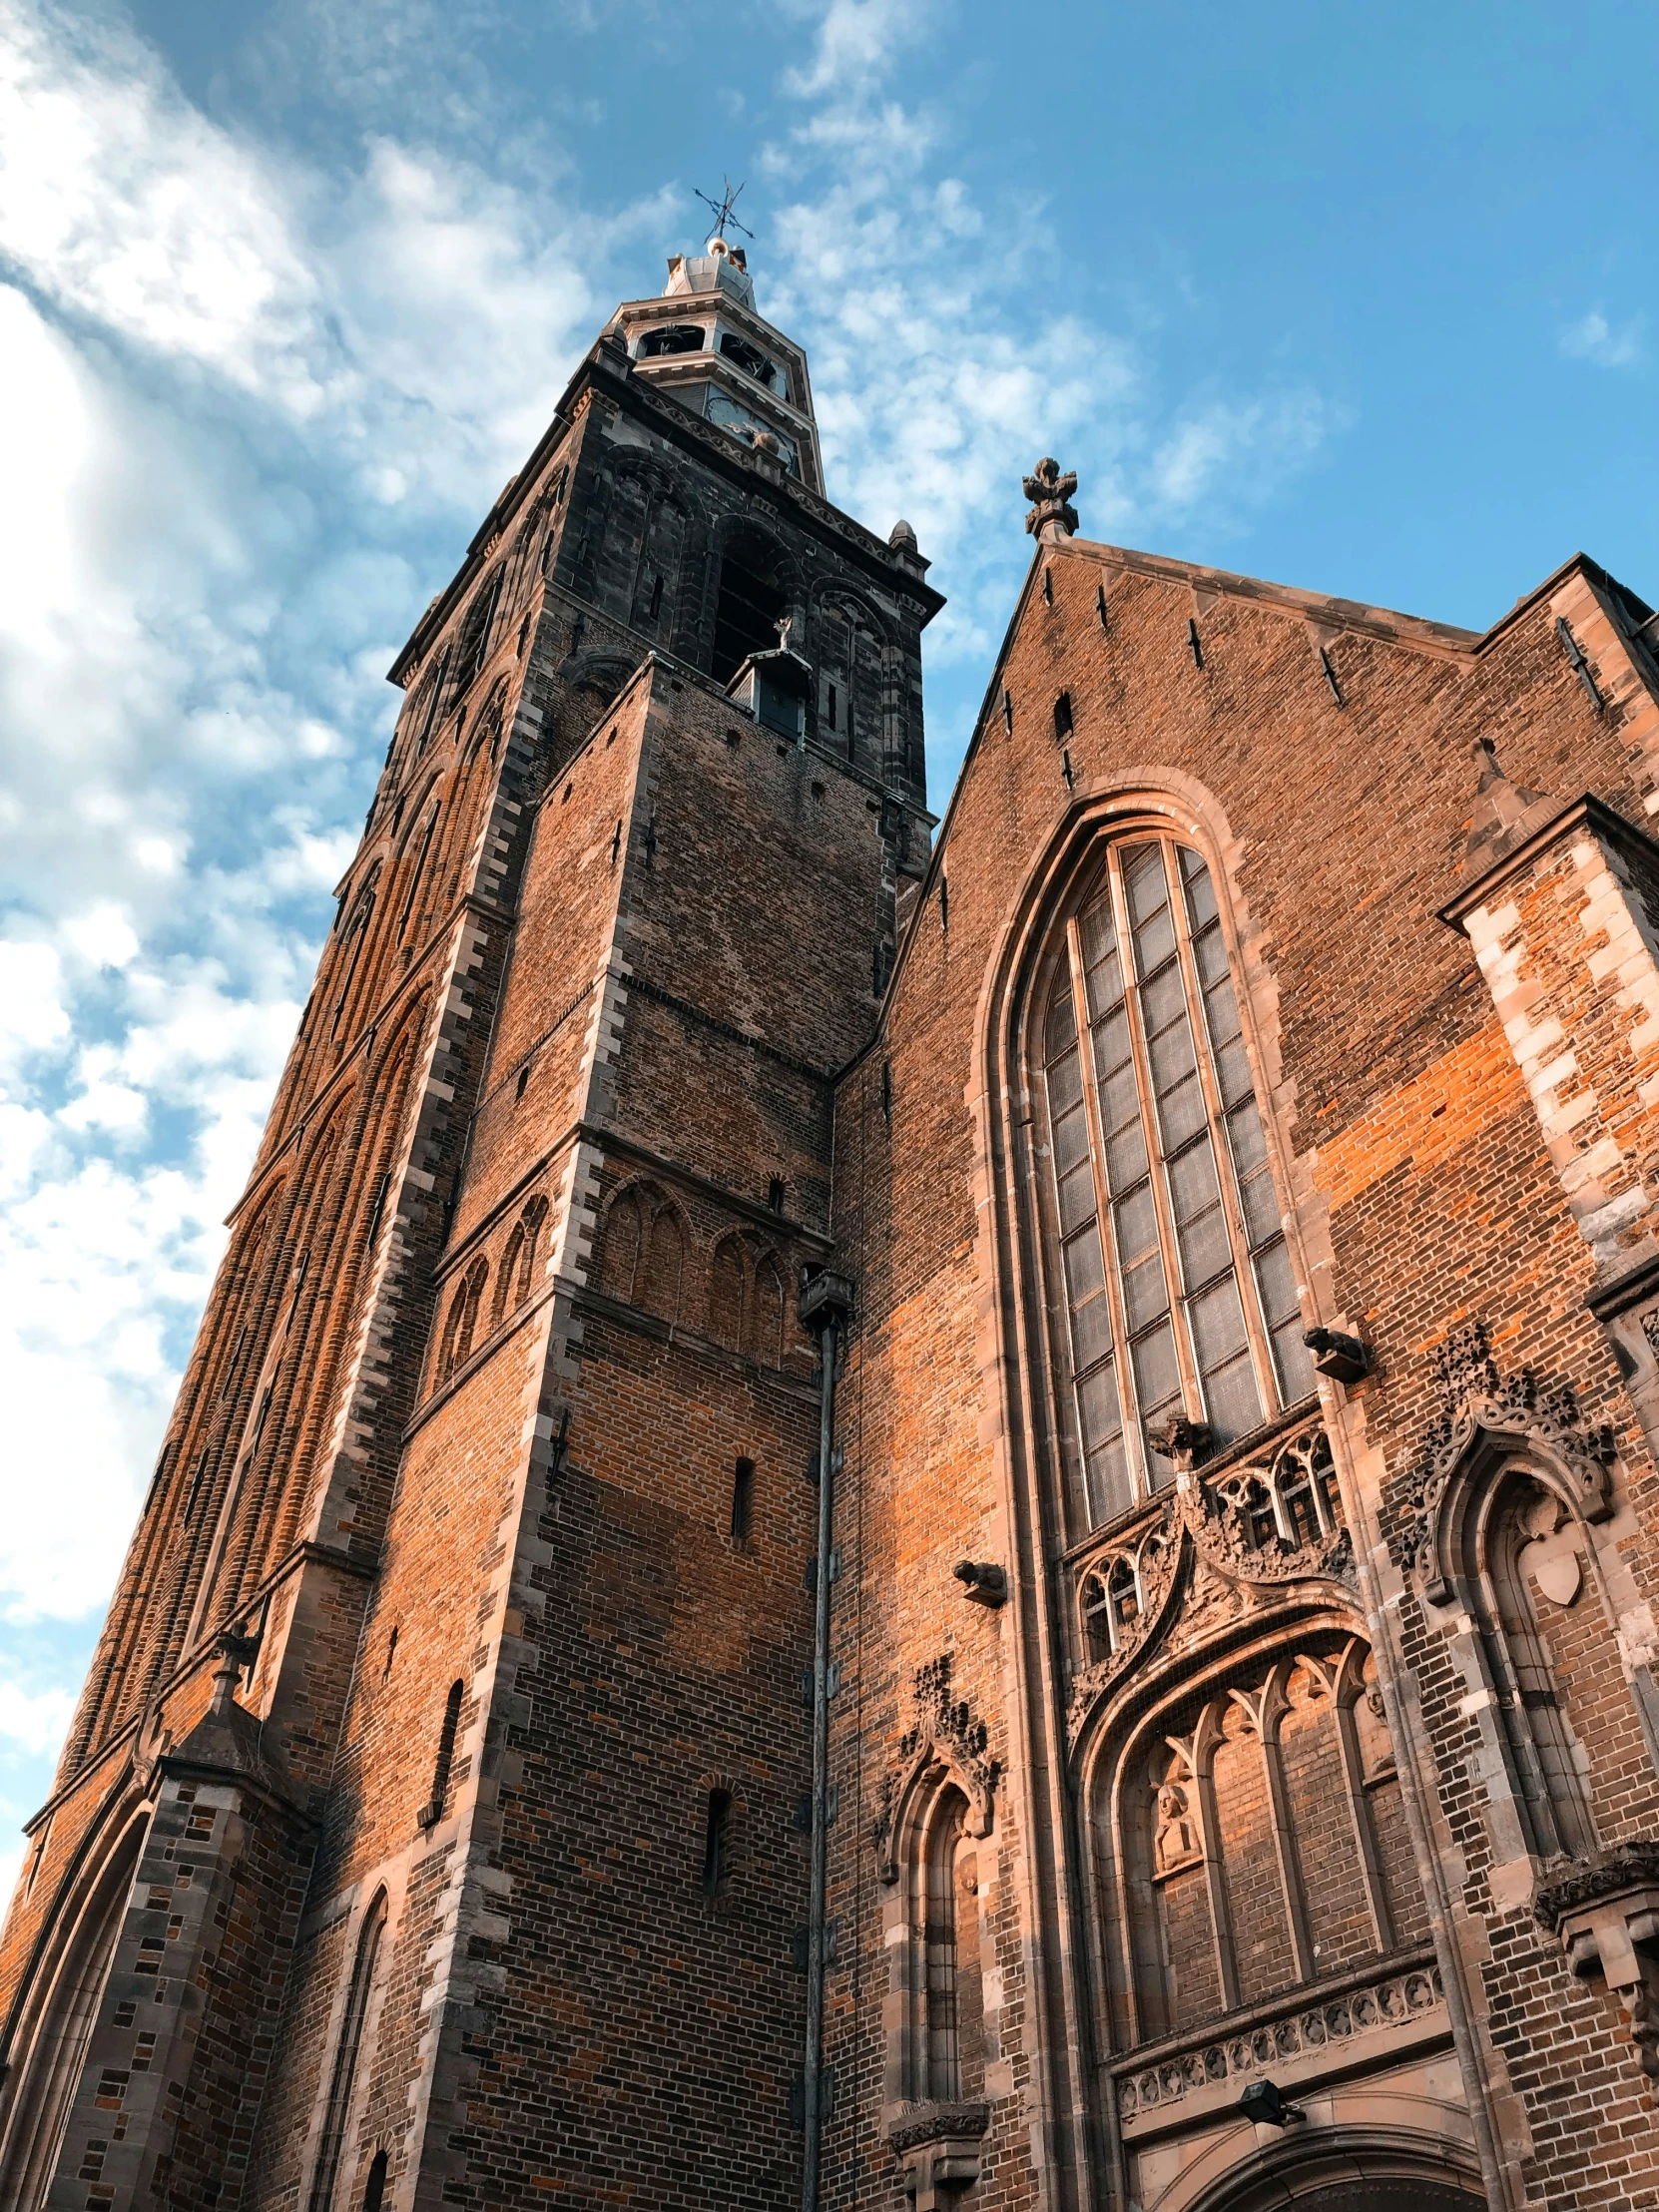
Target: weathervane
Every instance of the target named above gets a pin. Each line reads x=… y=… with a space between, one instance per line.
x=722 y=210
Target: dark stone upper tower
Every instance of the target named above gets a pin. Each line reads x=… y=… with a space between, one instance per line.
x=427 y=1833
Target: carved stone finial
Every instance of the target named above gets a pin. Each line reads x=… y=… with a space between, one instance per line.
x=1052 y=514
x=1505 y=813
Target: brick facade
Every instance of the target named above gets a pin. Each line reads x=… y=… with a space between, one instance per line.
x=436 y=1827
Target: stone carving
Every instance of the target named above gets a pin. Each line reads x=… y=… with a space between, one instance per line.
x=938 y=2145
x=1606 y=1909
x=947 y=1725
x=1156 y=1555
x=1574 y=1884
x=1233 y=1522
x=1175 y=1845
x=1052 y=514
x=1310 y=2029
x=1474 y=1397
x=916 y=2123
x=1235 y=1529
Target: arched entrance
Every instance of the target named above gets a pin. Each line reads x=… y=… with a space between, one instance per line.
x=1366 y=2171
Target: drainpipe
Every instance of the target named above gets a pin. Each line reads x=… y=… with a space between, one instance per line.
x=826 y=1303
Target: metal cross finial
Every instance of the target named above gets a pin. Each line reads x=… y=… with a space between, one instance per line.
x=722 y=209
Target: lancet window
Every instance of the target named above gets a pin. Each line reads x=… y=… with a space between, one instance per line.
x=1179 y=1291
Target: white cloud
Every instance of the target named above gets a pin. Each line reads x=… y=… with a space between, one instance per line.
x=1593 y=339
x=256 y=403
x=949 y=349
x=37 y=1723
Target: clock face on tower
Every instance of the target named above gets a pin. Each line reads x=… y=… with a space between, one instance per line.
x=749 y=429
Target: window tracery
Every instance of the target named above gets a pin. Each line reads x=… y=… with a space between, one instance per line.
x=1171 y=1257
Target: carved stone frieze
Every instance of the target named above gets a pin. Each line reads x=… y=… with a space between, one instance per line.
x=1474 y=1397
x=1307 y=2031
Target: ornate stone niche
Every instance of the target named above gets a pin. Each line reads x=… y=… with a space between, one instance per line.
x=1480 y=1408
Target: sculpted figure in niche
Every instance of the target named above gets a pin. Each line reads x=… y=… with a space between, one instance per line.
x=1177 y=1844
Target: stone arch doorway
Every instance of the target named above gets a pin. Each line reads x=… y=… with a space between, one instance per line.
x=1366 y=2171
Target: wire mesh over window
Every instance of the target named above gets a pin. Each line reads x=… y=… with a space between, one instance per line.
x=1175 y=1274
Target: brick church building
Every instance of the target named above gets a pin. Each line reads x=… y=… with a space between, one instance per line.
x=878 y=1512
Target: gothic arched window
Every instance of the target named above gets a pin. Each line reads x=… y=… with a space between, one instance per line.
x=344 y=2076
x=1173 y=1267
x=748 y=608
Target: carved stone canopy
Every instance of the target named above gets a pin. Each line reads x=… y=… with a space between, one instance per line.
x=1476 y=1404
x=1215 y=1554
x=1606 y=1912
x=1052 y=516
x=947 y=1739
x=938 y=2145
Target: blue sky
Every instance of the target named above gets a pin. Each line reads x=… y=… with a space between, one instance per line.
x=1356 y=298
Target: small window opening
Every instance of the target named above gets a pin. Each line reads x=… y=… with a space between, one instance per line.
x=748 y=358
x=1123 y=1597
x=733 y=738
x=1048 y=586
x=676 y=337
x=656 y=598
x=374 y=2189
x=774 y=1194
x=432 y=1813
x=717 y=1841
x=1062 y=717
x=748 y=607
x=743 y=1501
x=523 y=1079
x=833 y=703
x=391 y=1654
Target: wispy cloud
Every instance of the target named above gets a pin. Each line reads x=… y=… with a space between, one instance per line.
x=259 y=392
x=949 y=347
x=1609 y=345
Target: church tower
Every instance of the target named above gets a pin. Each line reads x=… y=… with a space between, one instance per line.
x=431 y=1828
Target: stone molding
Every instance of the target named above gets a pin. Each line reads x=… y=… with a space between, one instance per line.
x=1302 y=2030
x=1478 y=1403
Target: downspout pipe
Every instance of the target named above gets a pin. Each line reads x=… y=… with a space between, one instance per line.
x=826 y=1304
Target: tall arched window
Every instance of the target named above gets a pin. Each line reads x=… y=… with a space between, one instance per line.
x=54 y=2027
x=343 y=2079
x=748 y=609
x=1173 y=1268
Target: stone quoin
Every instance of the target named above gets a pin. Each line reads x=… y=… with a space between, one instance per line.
x=878 y=1512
